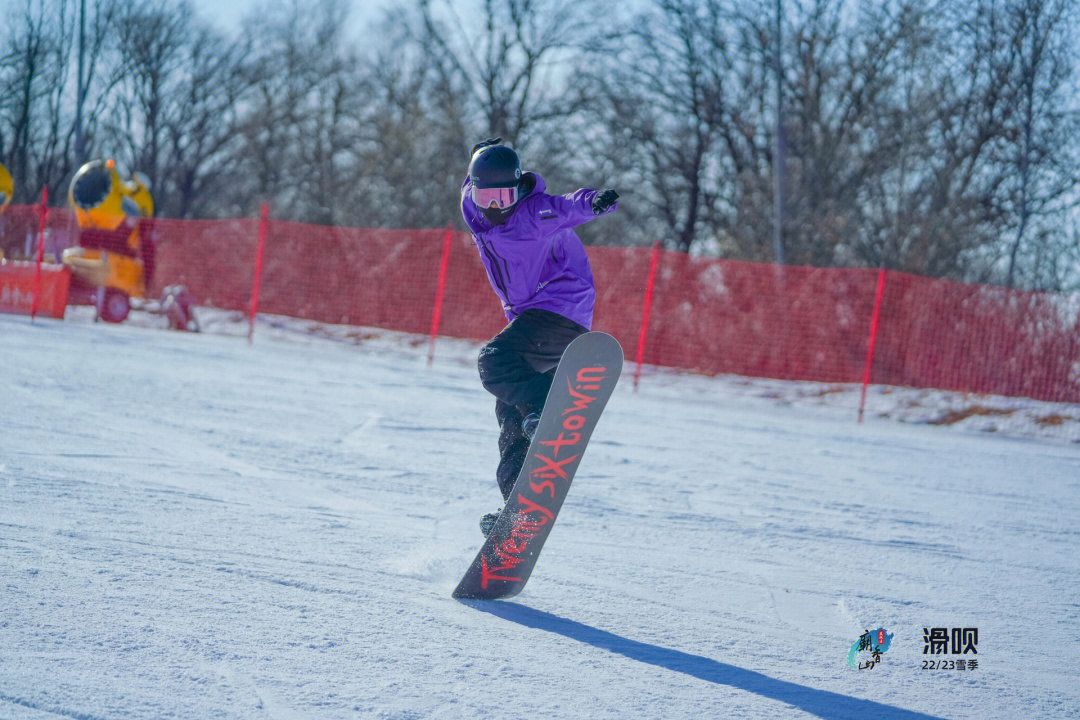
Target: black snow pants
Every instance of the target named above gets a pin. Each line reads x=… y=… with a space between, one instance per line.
x=517 y=367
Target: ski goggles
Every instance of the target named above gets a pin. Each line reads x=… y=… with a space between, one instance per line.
x=499 y=197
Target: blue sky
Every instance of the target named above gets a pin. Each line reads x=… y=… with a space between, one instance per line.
x=224 y=15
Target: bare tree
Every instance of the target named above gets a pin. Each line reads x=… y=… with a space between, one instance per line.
x=662 y=97
x=1042 y=158
x=297 y=126
x=512 y=58
x=151 y=34
x=201 y=131
x=412 y=126
x=37 y=134
x=35 y=63
x=26 y=71
x=861 y=94
x=901 y=124
x=435 y=81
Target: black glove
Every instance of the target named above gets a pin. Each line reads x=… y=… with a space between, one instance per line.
x=484 y=144
x=603 y=201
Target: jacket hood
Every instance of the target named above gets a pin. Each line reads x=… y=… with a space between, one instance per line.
x=537 y=184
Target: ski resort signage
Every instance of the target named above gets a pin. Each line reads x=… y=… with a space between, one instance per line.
x=17 y=288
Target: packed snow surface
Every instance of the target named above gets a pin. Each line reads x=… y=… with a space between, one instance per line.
x=196 y=527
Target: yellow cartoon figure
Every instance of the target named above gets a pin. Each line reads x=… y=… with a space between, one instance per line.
x=113 y=262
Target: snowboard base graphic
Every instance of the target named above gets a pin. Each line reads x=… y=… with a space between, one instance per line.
x=583 y=383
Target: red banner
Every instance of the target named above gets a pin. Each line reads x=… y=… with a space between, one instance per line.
x=17 y=288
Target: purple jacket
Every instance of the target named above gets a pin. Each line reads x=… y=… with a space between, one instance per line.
x=534 y=259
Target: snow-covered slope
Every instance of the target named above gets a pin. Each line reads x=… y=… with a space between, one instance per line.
x=193 y=527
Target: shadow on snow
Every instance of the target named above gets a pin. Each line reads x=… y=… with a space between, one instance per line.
x=822 y=703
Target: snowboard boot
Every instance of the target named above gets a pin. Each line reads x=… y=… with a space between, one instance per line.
x=529 y=423
x=487 y=523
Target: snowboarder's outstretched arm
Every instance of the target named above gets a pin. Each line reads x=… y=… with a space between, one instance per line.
x=579 y=206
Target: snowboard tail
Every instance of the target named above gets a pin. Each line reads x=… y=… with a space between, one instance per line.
x=583 y=383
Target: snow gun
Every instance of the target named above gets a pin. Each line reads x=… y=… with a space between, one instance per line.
x=7 y=188
x=114 y=260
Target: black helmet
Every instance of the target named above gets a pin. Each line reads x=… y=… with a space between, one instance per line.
x=495 y=166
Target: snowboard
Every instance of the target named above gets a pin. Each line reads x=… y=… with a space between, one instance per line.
x=583 y=382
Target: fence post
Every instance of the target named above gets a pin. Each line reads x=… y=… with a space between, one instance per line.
x=44 y=213
x=254 y=309
x=873 y=338
x=649 y=285
x=439 y=290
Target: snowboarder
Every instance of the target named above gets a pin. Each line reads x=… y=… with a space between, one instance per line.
x=538 y=268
